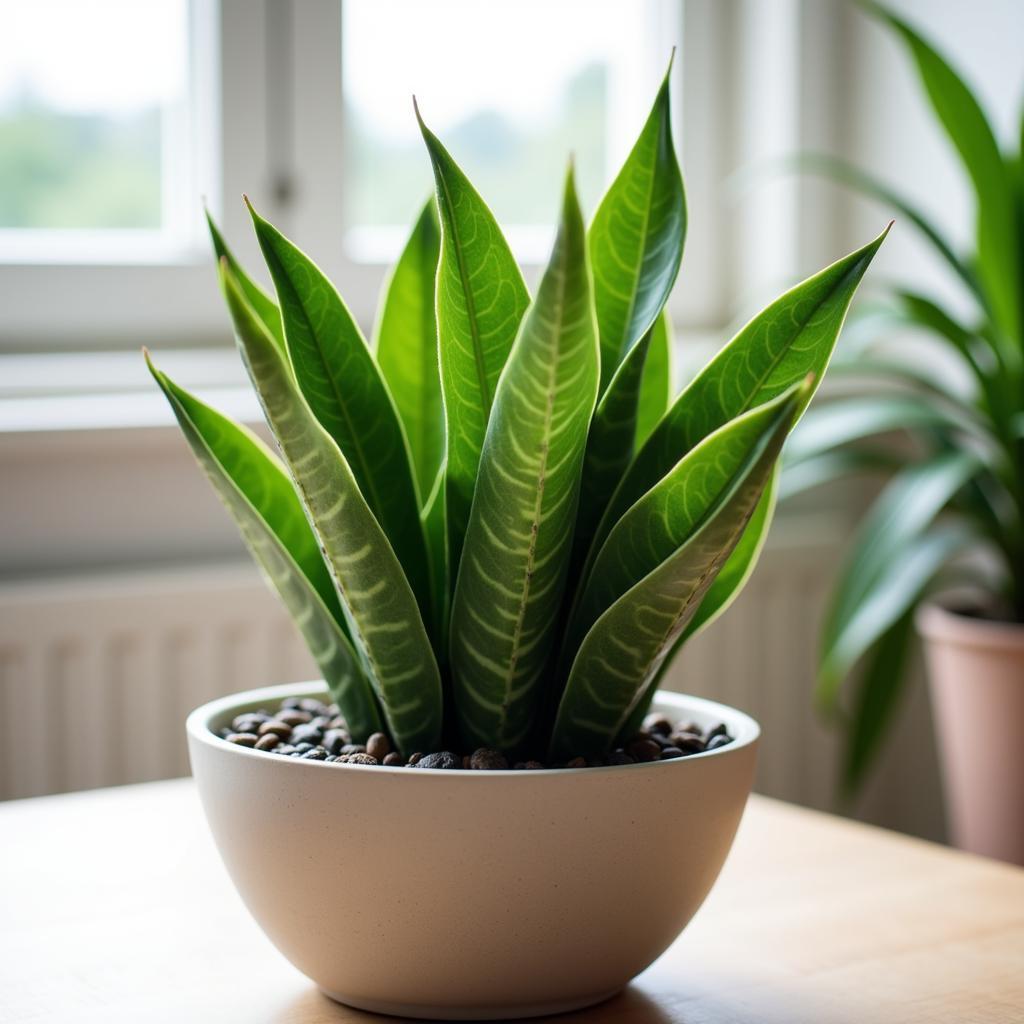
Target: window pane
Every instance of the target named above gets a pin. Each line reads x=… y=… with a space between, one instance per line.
x=511 y=87
x=92 y=101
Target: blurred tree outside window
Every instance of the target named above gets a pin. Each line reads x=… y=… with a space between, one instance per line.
x=90 y=94
x=511 y=112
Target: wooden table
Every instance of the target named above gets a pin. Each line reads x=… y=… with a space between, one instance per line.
x=114 y=907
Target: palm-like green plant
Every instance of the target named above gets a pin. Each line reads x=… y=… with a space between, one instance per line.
x=493 y=527
x=957 y=487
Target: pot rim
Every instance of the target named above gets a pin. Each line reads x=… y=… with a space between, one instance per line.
x=936 y=622
x=744 y=730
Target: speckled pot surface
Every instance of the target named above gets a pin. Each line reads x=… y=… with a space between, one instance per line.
x=457 y=894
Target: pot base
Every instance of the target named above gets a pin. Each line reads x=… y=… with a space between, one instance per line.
x=471 y=1012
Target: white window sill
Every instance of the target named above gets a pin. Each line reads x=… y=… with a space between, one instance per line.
x=103 y=391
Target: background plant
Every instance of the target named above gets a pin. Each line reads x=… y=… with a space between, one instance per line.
x=493 y=526
x=957 y=487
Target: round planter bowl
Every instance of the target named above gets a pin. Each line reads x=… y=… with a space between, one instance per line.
x=458 y=894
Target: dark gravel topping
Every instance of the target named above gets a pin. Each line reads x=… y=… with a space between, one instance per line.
x=311 y=730
x=445 y=759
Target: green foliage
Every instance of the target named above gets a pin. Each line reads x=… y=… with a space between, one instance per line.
x=956 y=481
x=434 y=541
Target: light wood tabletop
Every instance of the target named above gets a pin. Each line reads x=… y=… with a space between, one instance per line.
x=115 y=907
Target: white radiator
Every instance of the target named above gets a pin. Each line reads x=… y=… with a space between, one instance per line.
x=98 y=673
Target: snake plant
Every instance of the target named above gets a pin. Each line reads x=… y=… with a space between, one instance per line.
x=494 y=525
x=957 y=486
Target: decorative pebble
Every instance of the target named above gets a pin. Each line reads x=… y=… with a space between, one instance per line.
x=357 y=759
x=656 y=723
x=335 y=740
x=688 y=743
x=485 y=760
x=293 y=717
x=443 y=759
x=644 y=749
x=280 y=729
x=312 y=730
x=307 y=733
x=378 y=746
x=249 y=722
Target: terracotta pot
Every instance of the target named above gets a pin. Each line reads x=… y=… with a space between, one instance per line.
x=458 y=894
x=976 y=676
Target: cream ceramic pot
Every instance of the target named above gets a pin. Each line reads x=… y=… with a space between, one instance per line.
x=457 y=894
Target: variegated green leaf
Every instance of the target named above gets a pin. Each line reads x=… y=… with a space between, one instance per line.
x=609 y=444
x=260 y=497
x=999 y=249
x=380 y=609
x=481 y=299
x=343 y=386
x=434 y=522
x=906 y=509
x=731 y=579
x=263 y=305
x=406 y=346
x=656 y=386
x=791 y=338
x=516 y=554
x=672 y=511
x=619 y=657
x=636 y=239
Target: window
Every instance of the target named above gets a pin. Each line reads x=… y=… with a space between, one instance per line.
x=100 y=153
x=511 y=88
x=116 y=117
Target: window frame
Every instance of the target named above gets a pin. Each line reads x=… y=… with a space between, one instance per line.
x=275 y=88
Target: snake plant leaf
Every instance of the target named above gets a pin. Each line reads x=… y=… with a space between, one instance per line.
x=342 y=385
x=505 y=612
x=405 y=341
x=263 y=305
x=620 y=656
x=675 y=509
x=481 y=299
x=380 y=608
x=781 y=345
x=260 y=497
x=899 y=587
x=906 y=508
x=610 y=444
x=881 y=685
x=636 y=238
x=731 y=579
x=656 y=386
x=999 y=253
x=435 y=529
x=740 y=565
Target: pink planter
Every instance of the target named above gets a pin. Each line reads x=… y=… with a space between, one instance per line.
x=976 y=677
